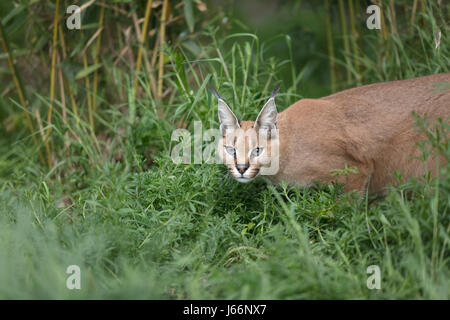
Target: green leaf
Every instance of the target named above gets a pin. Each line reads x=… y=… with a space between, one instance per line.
x=85 y=72
x=179 y=68
x=12 y=14
x=189 y=14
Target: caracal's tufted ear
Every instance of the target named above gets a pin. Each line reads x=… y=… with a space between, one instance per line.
x=227 y=119
x=267 y=118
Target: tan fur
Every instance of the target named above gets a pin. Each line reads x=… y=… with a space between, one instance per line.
x=370 y=127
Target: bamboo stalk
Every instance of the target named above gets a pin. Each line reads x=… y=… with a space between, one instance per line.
x=413 y=15
x=330 y=47
x=52 y=81
x=72 y=101
x=97 y=58
x=383 y=36
x=19 y=87
x=63 y=43
x=142 y=42
x=151 y=67
x=125 y=47
x=355 y=37
x=62 y=92
x=162 y=33
x=154 y=55
x=60 y=73
x=63 y=79
x=383 y=23
x=87 y=84
x=88 y=89
x=89 y=100
x=346 y=42
x=393 y=19
x=40 y=126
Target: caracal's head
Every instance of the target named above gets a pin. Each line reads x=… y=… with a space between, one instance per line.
x=249 y=148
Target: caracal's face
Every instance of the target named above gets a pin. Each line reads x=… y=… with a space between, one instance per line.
x=245 y=151
x=249 y=148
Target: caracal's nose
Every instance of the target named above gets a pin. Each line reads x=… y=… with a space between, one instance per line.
x=242 y=168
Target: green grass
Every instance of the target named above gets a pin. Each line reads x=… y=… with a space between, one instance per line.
x=189 y=231
x=140 y=226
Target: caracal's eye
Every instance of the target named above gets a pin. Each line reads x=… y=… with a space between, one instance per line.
x=230 y=150
x=256 y=152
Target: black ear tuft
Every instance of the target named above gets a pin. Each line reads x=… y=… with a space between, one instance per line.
x=275 y=91
x=214 y=92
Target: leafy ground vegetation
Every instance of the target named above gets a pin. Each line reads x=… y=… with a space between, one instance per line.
x=86 y=176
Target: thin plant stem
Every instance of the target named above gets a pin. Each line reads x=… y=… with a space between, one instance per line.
x=346 y=42
x=393 y=19
x=53 y=67
x=52 y=82
x=330 y=47
x=148 y=9
x=413 y=15
x=97 y=58
x=355 y=37
x=88 y=89
x=162 y=34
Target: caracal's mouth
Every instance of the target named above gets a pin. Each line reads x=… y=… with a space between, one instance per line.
x=243 y=179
